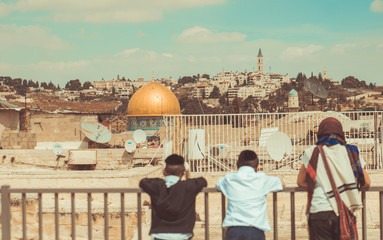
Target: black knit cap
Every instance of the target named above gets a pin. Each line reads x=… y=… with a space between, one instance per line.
x=174 y=159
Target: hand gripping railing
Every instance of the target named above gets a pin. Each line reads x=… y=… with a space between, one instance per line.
x=6 y=192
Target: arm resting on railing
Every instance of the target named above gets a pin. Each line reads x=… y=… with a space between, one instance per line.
x=301 y=180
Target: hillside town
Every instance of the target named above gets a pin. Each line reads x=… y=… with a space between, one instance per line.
x=226 y=92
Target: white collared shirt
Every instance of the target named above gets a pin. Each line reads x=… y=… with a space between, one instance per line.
x=246 y=191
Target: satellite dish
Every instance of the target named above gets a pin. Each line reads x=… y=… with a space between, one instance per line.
x=220 y=151
x=130 y=146
x=57 y=149
x=139 y=136
x=279 y=146
x=338 y=114
x=314 y=87
x=96 y=132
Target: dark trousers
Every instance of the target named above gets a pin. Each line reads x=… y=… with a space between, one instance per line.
x=165 y=239
x=244 y=233
x=324 y=226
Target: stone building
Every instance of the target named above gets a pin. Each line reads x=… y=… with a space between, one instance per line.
x=49 y=120
x=148 y=105
x=293 y=102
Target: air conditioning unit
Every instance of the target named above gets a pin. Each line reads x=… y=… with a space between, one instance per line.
x=220 y=151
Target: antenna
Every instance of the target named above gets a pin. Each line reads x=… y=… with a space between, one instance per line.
x=130 y=145
x=96 y=132
x=279 y=146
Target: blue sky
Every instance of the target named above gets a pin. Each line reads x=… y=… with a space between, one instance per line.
x=60 y=40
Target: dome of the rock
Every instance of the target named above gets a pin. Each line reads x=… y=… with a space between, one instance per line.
x=153 y=99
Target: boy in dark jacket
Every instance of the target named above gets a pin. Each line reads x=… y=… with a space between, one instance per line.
x=173 y=201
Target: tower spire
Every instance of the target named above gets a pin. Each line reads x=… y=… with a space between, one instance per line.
x=260 y=61
x=153 y=76
x=260 y=53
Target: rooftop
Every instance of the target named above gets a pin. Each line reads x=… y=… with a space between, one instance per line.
x=55 y=105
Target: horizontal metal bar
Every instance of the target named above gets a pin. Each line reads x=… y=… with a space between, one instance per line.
x=76 y=190
x=139 y=190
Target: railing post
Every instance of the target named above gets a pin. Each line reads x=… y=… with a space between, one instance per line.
x=223 y=204
x=381 y=213
x=5 y=213
x=139 y=212
x=376 y=139
x=364 y=223
x=206 y=216
x=275 y=215
x=292 y=210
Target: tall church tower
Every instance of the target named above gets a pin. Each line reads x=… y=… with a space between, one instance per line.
x=260 y=62
x=324 y=73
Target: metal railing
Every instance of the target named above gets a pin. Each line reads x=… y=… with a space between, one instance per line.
x=212 y=143
x=6 y=215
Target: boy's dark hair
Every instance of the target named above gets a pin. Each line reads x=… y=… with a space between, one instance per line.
x=175 y=165
x=248 y=158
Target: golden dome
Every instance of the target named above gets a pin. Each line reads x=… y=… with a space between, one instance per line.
x=153 y=99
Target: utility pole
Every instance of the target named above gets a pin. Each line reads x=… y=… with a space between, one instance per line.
x=26 y=112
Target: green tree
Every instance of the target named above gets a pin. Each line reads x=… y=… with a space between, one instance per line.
x=73 y=85
x=350 y=82
x=86 y=85
x=222 y=100
x=187 y=79
x=265 y=105
x=215 y=93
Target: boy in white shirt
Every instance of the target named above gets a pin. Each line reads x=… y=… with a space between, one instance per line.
x=246 y=191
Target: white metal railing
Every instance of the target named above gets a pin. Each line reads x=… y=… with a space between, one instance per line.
x=212 y=143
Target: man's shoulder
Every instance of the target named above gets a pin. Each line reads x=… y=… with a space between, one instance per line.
x=151 y=180
x=310 y=150
x=193 y=180
x=199 y=181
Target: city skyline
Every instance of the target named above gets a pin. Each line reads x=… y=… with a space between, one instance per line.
x=58 y=41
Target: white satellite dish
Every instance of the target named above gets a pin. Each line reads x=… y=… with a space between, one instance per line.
x=139 y=136
x=57 y=149
x=130 y=145
x=96 y=132
x=279 y=146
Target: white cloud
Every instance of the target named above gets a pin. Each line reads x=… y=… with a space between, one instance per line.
x=377 y=6
x=168 y=55
x=296 y=52
x=104 y=11
x=341 y=48
x=140 y=34
x=4 y=10
x=380 y=45
x=203 y=35
x=13 y=36
x=132 y=16
x=5 y=67
x=137 y=53
x=61 y=66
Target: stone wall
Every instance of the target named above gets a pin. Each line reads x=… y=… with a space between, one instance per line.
x=10 y=119
x=107 y=159
x=58 y=127
x=17 y=140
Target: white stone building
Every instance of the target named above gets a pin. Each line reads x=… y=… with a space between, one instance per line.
x=202 y=91
x=293 y=101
